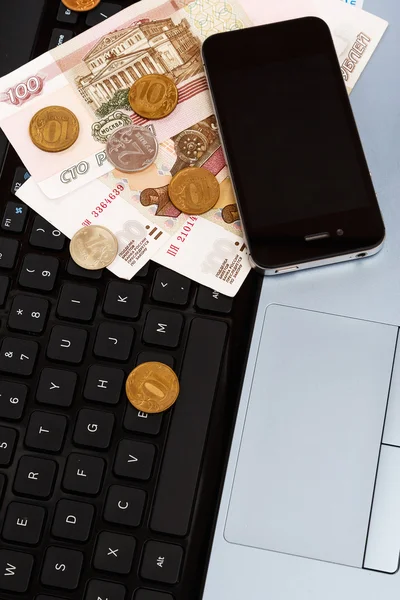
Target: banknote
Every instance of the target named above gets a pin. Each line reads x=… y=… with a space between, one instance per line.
x=138 y=237
x=356 y=33
x=209 y=248
x=358 y=3
x=136 y=208
x=92 y=74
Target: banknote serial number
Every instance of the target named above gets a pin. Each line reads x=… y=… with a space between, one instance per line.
x=186 y=229
x=105 y=203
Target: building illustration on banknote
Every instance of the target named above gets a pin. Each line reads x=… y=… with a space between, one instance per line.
x=121 y=57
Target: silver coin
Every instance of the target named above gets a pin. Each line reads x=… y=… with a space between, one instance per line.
x=131 y=148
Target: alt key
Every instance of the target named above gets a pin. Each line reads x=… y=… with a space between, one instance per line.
x=162 y=562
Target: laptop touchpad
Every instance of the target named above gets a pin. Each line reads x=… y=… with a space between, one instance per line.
x=305 y=475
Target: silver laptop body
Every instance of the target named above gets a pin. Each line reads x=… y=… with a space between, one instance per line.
x=311 y=502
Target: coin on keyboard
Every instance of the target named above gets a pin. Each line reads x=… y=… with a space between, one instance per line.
x=81 y=5
x=93 y=247
x=131 y=149
x=152 y=387
x=54 y=128
x=194 y=190
x=153 y=96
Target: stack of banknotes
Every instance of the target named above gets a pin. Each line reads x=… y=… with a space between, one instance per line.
x=90 y=76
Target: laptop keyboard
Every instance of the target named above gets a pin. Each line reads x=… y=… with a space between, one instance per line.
x=99 y=501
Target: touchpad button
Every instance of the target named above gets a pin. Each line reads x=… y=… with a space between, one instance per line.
x=307 y=464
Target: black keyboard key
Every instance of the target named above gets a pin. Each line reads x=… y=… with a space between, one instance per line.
x=189 y=425
x=12 y=400
x=62 y=568
x=46 y=431
x=4 y=283
x=83 y=474
x=2 y=484
x=66 y=15
x=8 y=438
x=42 y=597
x=44 y=235
x=14 y=217
x=35 y=477
x=124 y=505
x=151 y=595
x=21 y=175
x=104 y=384
x=39 y=272
x=134 y=459
x=28 y=313
x=67 y=344
x=102 y=12
x=77 y=271
x=123 y=299
x=170 y=287
x=56 y=387
x=208 y=299
x=141 y=422
x=3 y=146
x=15 y=570
x=114 y=552
x=73 y=520
x=23 y=523
x=8 y=252
x=94 y=429
x=59 y=37
x=21 y=24
x=76 y=302
x=163 y=328
x=161 y=562
x=18 y=356
x=105 y=590
x=114 y=341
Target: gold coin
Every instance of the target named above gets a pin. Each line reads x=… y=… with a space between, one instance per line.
x=152 y=387
x=54 y=129
x=194 y=190
x=93 y=247
x=81 y=5
x=153 y=96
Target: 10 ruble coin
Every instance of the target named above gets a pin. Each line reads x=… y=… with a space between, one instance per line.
x=81 y=5
x=93 y=247
x=152 y=387
x=194 y=190
x=153 y=96
x=54 y=129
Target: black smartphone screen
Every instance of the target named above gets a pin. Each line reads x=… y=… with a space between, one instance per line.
x=295 y=156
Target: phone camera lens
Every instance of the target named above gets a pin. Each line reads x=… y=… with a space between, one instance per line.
x=339 y=232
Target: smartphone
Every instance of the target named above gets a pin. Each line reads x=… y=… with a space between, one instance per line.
x=299 y=173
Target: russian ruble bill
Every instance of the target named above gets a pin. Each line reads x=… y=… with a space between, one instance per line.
x=136 y=207
x=357 y=3
x=356 y=33
x=91 y=75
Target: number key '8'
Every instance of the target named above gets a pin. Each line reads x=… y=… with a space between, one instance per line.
x=28 y=314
